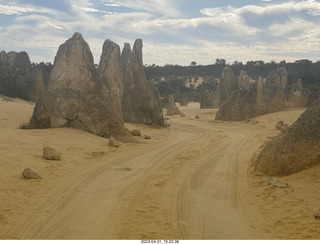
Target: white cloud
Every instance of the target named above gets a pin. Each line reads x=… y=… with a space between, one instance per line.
x=111 y=5
x=11 y=9
x=169 y=37
x=292 y=26
x=50 y=24
x=94 y=10
x=164 y=7
x=228 y=19
x=311 y=6
x=206 y=52
x=137 y=22
x=40 y=22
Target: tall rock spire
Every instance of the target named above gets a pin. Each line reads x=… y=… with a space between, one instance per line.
x=141 y=102
x=81 y=97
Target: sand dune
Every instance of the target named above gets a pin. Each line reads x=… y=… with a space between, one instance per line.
x=193 y=180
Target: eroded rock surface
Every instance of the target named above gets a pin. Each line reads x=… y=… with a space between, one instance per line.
x=50 y=153
x=80 y=96
x=258 y=98
x=297 y=95
x=210 y=99
x=172 y=108
x=296 y=149
x=18 y=78
x=141 y=101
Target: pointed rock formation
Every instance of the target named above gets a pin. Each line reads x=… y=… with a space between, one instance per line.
x=297 y=95
x=210 y=99
x=228 y=84
x=243 y=80
x=172 y=107
x=81 y=97
x=18 y=78
x=111 y=79
x=270 y=93
x=184 y=102
x=250 y=100
x=141 y=102
x=296 y=149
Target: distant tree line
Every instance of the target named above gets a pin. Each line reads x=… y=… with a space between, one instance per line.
x=308 y=71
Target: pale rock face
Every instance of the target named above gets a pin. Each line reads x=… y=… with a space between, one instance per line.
x=111 y=76
x=184 y=102
x=18 y=79
x=81 y=97
x=210 y=99
x=228 y=84
x=250 y=100
x=271 y=93
x=172 y=107
x=243 y=80
x=297 y=95
x=141 y=101
x=296 y=149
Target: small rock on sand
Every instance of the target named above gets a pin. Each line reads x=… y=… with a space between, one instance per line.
x=30 y=174
x=136 y=132
x=277 y=182
x=113 y=142
x=124 y=168
x=51 y=154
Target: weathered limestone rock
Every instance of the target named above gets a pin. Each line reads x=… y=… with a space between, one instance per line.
x=50 y=153
x=296 y=149
x=18 y=78
x=172 y=107
x=111 y=82
x=184 y=102
x=281 y=126
x=135 y=132
x=147 y=137
x=228 y=84
x=235 y=108
x=141 y=101
x=210 y=99
x=297 y=95
x=262 y=97
x=80 y=96
x=274 y=181
x=270 y=93
x=30 y=174
x=113 y=142
x=243 y=80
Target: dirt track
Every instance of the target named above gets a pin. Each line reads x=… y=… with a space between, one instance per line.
x=186 y=186
x=190 y=181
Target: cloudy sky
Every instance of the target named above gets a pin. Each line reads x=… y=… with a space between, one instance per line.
x=173 y=31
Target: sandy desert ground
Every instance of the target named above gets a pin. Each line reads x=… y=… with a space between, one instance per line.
x=193 y=180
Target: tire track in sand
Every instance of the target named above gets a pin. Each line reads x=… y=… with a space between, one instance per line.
x=82 y=206
x=183 y=188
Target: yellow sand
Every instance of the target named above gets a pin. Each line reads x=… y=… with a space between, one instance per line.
x=192 y=180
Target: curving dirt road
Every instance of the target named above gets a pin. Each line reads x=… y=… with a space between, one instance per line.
x=191 y=185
